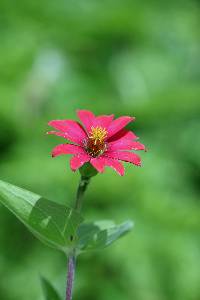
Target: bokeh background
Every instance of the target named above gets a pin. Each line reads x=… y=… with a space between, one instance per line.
x=139 y=58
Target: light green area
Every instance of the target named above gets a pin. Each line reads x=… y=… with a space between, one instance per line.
x=137 y=58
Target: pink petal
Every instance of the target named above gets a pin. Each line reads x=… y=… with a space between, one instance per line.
x=125 y=156
x=118 y=124
x=103 y=121
x=67 y=149
x=87 y=118
x=78 y=160
x=115 y=164
x=123 y=133
x=73 y=130
x=58 y=133
x=125 y=144
x=98 y=164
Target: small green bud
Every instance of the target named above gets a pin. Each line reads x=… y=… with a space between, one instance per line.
x=87 y=170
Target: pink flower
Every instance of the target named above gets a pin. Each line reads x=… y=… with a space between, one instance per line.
x=101 y=141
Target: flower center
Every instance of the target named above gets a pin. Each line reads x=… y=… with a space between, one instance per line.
x=98 y=134
x=95 y=144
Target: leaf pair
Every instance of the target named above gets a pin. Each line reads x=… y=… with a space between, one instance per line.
x=56 y=225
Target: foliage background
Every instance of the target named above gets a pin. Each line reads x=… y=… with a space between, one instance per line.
x=138 y=58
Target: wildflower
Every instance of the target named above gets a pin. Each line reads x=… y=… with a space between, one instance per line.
x=101 y=141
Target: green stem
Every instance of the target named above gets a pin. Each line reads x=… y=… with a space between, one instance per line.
x=70 y=276
x=84 y=181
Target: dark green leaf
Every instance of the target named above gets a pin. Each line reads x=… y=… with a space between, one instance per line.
x=52 y=223
x=100 y=234
x=49 y=291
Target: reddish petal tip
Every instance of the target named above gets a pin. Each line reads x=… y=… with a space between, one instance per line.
x=131 y=119
x=121 y=174
x=50 y=122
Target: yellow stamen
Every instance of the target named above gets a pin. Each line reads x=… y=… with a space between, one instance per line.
x=98 y=134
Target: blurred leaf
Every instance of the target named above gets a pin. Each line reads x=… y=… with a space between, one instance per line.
x=100 y=234
x=52 y=223
x=49 y=291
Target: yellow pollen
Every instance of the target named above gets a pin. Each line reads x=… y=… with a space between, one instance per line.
x=98 y=134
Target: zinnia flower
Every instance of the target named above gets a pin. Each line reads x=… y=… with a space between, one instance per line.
x=101 y=140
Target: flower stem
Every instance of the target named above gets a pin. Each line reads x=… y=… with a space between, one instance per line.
x=71 y=265
x=84 y=181
x=70 y=276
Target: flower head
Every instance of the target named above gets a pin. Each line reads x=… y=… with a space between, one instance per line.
x=101 y=141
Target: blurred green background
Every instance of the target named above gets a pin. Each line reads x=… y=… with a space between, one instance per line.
x=139 y=58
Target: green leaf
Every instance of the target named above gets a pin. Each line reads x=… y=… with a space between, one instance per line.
x=49 y=291
x=100 y=234
x=54 y=224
